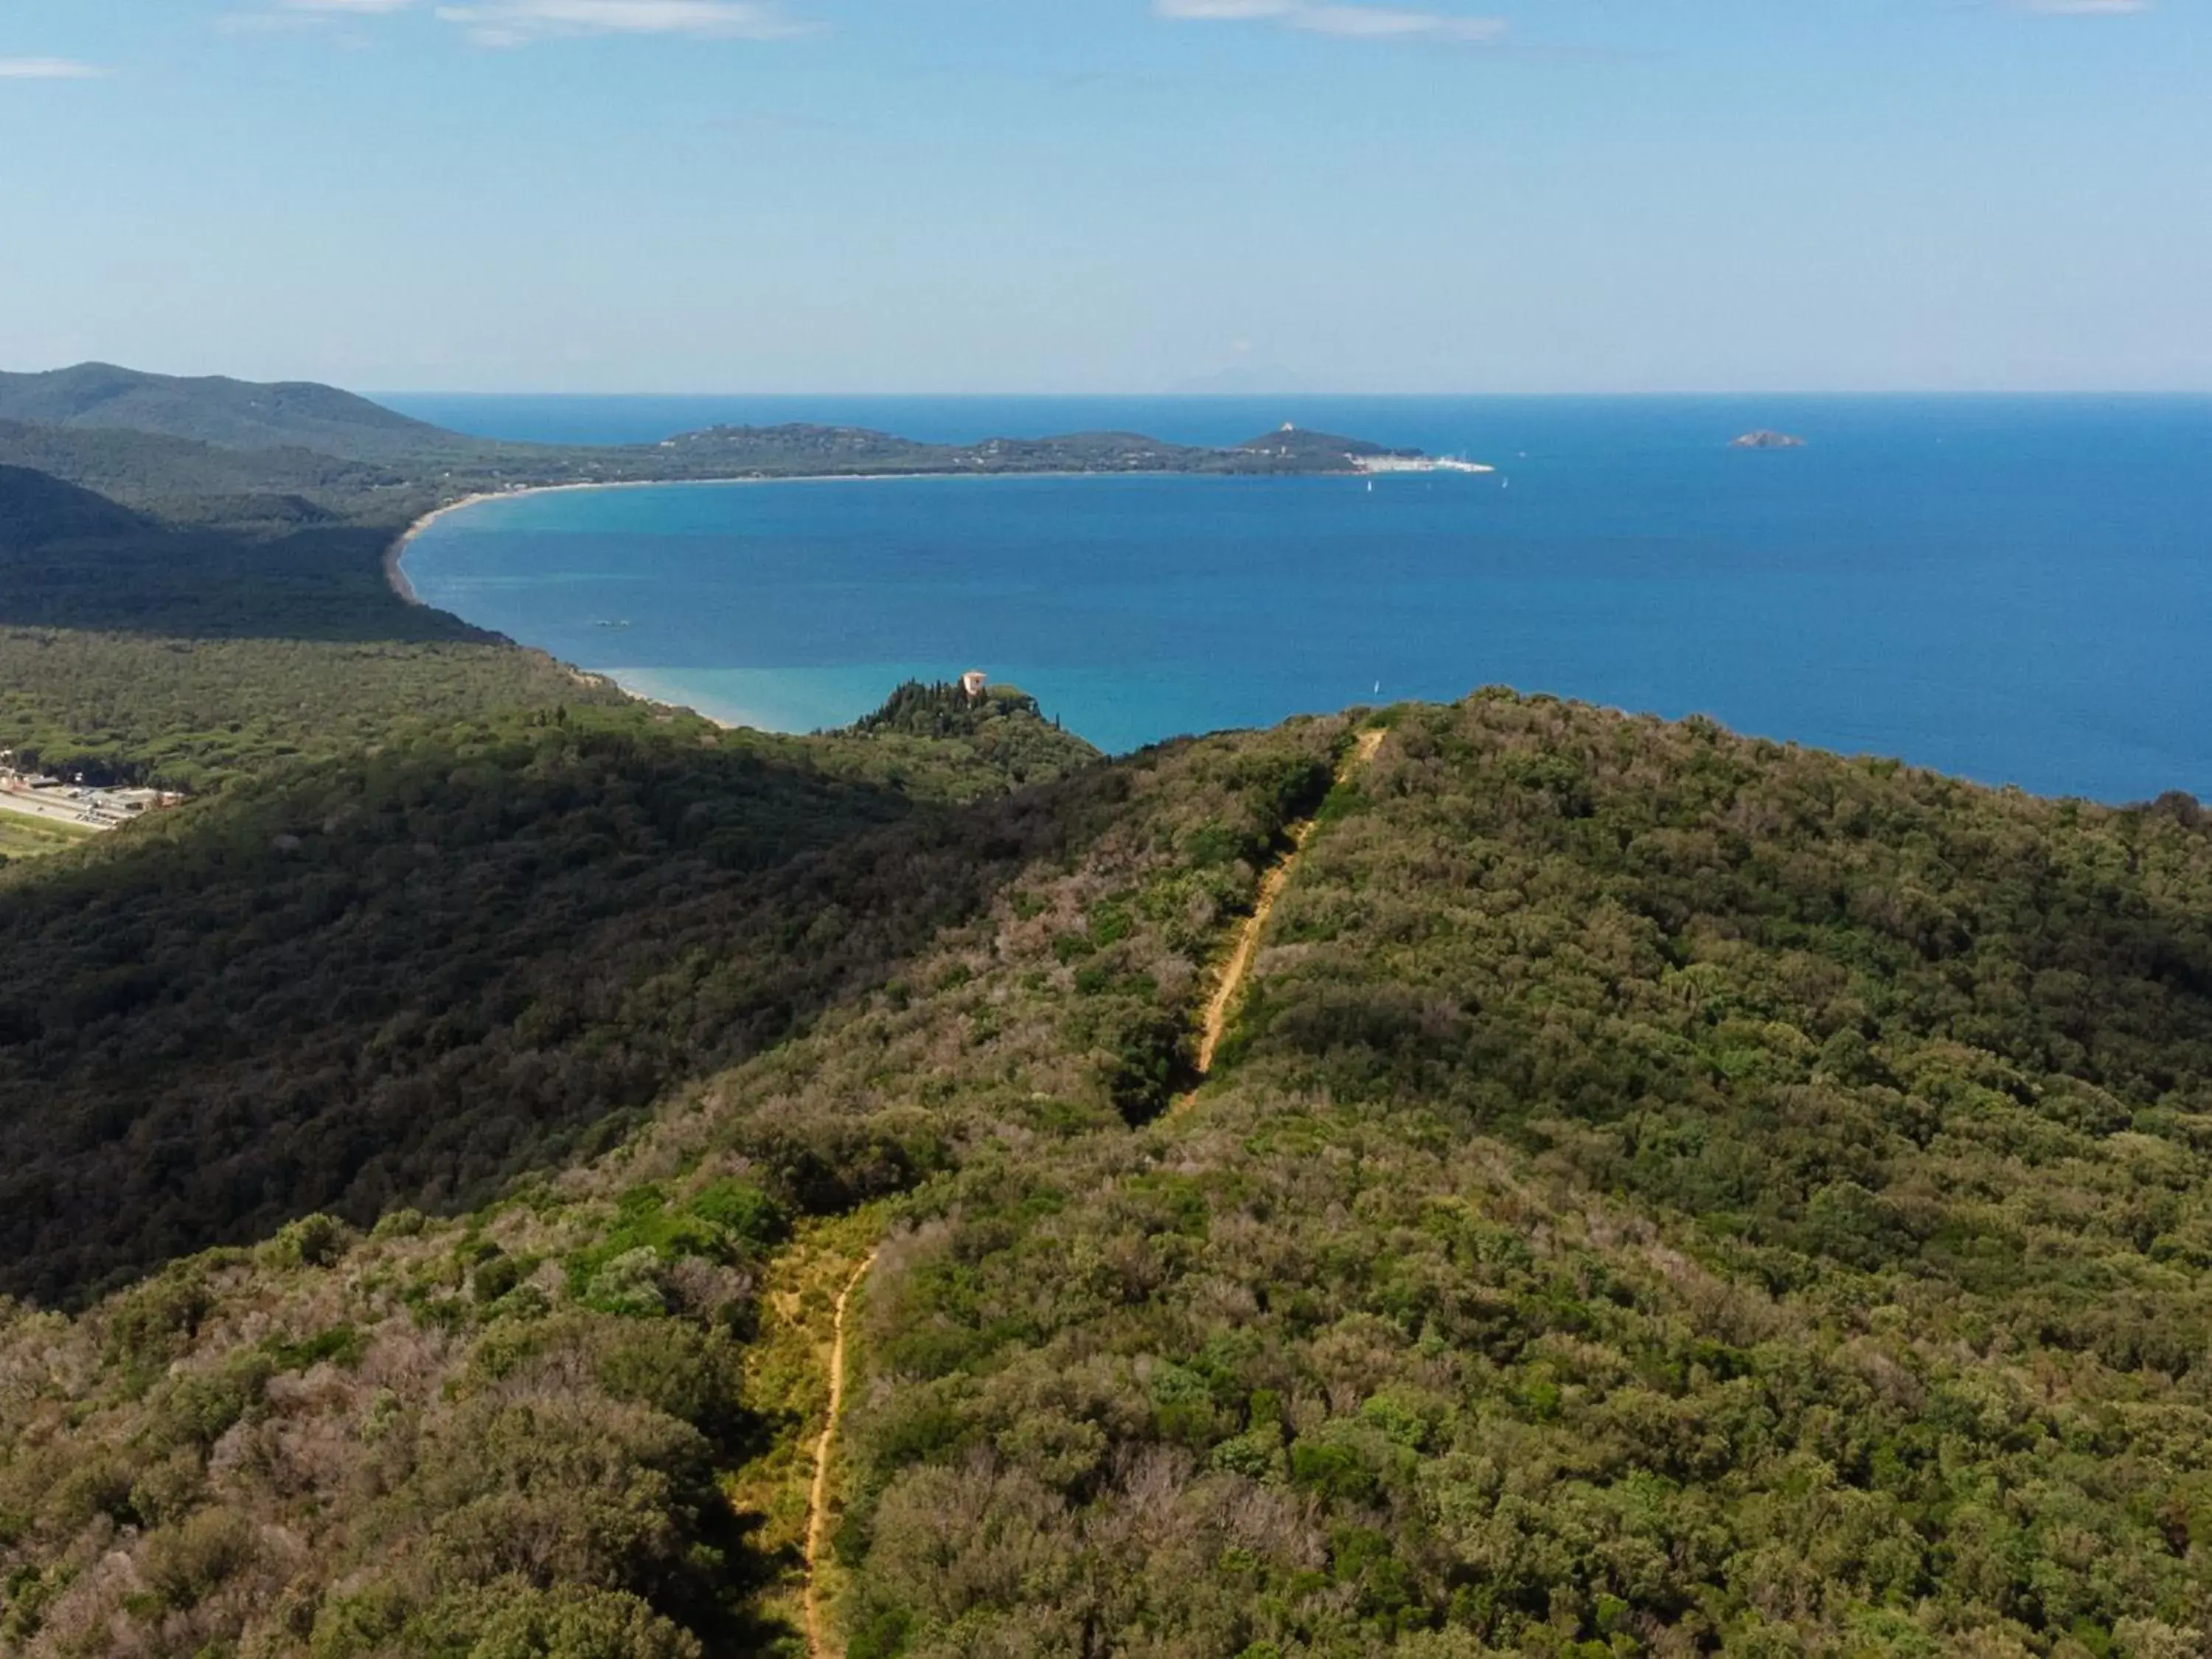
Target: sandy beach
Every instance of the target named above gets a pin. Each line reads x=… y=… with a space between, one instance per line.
x=397 y=577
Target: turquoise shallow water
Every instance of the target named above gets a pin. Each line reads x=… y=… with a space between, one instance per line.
x=2016 y=590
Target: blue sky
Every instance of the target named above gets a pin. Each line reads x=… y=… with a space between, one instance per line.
x=1113 y=194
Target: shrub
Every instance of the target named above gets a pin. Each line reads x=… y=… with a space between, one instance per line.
x=187 y=1563
x=145 y=1325
x=743 y=1211
x=314 y=1241
x=629 y=1283
x=495 y=1278
x=570 y=1621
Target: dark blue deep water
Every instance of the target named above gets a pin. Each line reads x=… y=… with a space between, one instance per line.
x=2017 y=590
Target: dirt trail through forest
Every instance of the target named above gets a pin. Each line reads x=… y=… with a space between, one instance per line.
x=1271 y=888
x=817 y=1502
x=1217 y=1023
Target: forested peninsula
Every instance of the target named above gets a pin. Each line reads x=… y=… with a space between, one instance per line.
x=1438 y=1182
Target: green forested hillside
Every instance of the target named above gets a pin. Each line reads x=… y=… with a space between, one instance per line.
x=174 y=611
x=502 y=1434
x=214 y=410
x=278 y=569
x=142 y=469
x=36 y=510
x=196 y=714
x=1661 y=1193
x=409 y=976
x=1003 y=734
x=1664 y=1194
x=177 y=612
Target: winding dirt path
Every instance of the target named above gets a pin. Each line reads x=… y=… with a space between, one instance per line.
x=1272 y=884
x=1239 y=968
x=817 y=1502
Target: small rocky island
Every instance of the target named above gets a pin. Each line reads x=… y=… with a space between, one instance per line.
x=1764 y=440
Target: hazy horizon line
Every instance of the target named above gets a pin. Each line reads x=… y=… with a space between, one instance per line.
x=2171 y=392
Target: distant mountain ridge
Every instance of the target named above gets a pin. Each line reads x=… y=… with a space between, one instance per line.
x=230 y=413
x=293 y=416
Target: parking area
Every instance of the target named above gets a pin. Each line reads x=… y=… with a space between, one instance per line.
x=86 y=807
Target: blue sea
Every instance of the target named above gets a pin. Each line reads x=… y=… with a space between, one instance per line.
x=2016 y=590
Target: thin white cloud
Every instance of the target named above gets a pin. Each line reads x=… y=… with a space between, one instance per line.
x=48 y=69
x=294 y=17
x=1352 y=22
x=515 y=22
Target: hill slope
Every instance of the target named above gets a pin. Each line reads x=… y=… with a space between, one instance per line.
x=1296 y=449
x=241 y=415
x=198 y=612
x=1661 y=1193
x=408 y=976
x=213 y=409
x=37 y=510
x=145 y=470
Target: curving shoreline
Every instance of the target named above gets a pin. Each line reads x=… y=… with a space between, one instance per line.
x=395 y=574
x=397 y=577
x=394 y=555
x=630 y=682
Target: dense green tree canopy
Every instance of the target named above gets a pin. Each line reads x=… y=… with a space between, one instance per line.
x=1662 y=1194
x=1659 y=1193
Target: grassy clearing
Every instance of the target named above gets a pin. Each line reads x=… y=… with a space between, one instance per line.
x=25 y=835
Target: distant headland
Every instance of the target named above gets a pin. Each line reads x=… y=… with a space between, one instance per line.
x=298 y=457
x=1764 y=440
x=360 y=447
x=798 y=452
